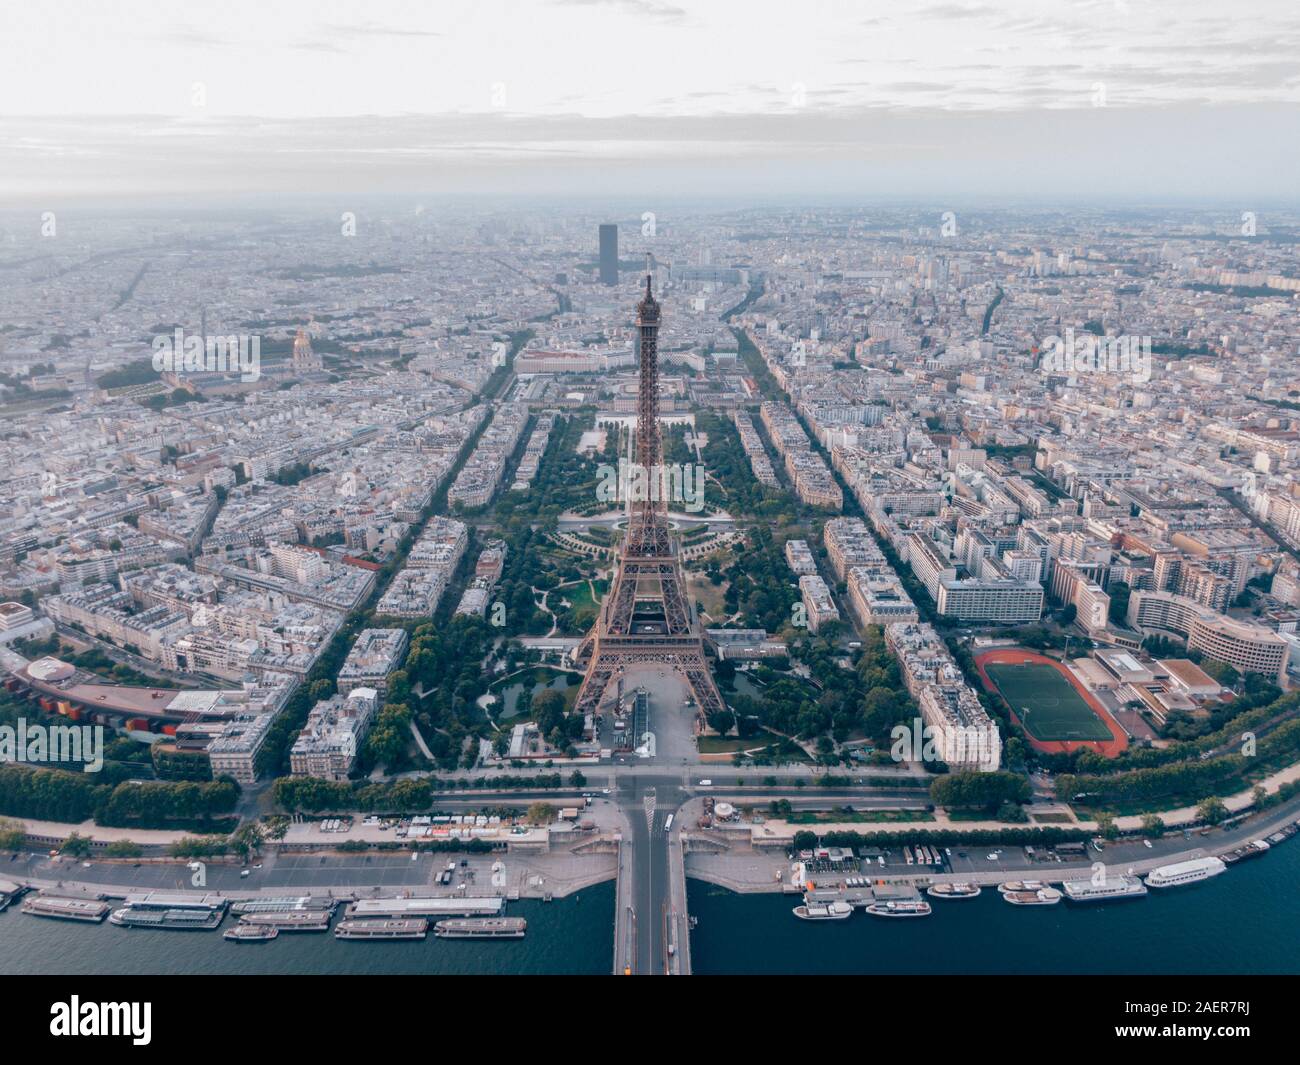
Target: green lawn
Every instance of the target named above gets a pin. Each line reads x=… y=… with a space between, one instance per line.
x=1046 y=703
x=580 y=594
x=730 y=744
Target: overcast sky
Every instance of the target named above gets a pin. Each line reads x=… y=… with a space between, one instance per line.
x=1142 y=99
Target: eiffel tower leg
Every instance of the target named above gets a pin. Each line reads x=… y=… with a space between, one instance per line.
x=708 y=699
x=600 y=671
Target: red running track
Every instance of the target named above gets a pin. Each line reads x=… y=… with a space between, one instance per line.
x=1017 y=656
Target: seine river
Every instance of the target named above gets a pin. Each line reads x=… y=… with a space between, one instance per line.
x=1244 y=921
x=572 y=935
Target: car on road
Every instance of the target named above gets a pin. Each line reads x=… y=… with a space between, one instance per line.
x=992 y=856
x=243 y=872
x=1147 y=844
x=706 y=783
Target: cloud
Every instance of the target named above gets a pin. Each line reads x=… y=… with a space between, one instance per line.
x=372 y=30
x=652 y=9
x=189 y=36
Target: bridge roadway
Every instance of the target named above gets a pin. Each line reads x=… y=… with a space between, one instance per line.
x=651 y=932
x=651 y=921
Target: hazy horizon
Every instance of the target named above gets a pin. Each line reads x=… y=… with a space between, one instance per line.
x=1069 y=100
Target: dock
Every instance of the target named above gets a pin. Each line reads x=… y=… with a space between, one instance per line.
x=9 y=892
x=428 y=906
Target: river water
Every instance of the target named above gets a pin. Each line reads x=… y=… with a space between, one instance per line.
x=1245 y=921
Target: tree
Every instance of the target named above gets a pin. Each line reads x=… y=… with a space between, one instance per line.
x=548 y=712
x=541 y=813
x=12 y=835
x=76 y=846
x=246 y=840
x=1152 y=826
x=722 y=721
x=804 y=841
x=1119 y=597
x=399 y=684
x=385 y=744
x=1212 y=810
x=197 y=847
x=1012 y=811
x=123 y=848
x=970 y=788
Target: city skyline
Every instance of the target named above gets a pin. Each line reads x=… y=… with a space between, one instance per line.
x=728 y=465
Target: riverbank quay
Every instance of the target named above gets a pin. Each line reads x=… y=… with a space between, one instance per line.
x=540 y=876
x=742 y=858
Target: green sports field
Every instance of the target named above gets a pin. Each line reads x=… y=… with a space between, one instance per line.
x=1047 y=705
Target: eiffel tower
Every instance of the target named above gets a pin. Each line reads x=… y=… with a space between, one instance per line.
x=646 y=617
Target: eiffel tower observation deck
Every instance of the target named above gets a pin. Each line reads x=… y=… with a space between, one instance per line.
x=646 y=617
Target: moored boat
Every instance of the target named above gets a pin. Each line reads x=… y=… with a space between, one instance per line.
x=1191 y=872
x=481 y=928
x=172 y=920
x=818 y=911
x=251 y=933
x=1021 y=885
x=291 y=920
x=900 y=908
x=953 y=891
x=171 y=910
x=382 y=928
x=285 y=904
x=1256 y=848
x=66 y=909
x=1109 y=889
x=1044 y=896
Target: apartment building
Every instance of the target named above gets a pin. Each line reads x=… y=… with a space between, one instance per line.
x=963 y=734
x=1247 y=647
x=800 y=557
x=849 y=543
x=375 y=654
x=336 y=727
x=818 y=605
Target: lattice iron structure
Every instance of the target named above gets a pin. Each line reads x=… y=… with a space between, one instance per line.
x=646 y=617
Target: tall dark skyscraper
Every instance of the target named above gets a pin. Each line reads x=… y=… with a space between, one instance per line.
x=609 y=254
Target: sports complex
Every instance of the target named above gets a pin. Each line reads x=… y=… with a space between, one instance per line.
x=1057 y=713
